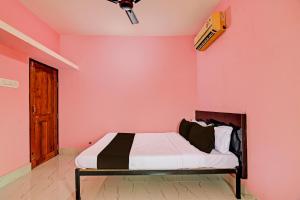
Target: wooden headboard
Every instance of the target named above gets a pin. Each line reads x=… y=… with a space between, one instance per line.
x=238 y=120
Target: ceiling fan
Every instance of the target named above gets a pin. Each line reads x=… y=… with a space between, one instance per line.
x=127 y=5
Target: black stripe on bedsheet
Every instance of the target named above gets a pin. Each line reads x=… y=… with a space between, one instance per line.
x=116 y=154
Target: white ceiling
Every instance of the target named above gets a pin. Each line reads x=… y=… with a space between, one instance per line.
x=100 y=17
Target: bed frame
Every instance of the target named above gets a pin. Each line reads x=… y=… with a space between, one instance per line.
x=240 y=171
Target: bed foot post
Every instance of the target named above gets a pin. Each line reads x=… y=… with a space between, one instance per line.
x=238 y=183
x=77 y=184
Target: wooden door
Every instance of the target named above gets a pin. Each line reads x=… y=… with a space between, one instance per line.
x=43 y=112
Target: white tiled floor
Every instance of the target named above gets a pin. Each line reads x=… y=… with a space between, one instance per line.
x=54 y=180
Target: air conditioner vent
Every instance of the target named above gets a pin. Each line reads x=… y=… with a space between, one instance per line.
x=212 y=29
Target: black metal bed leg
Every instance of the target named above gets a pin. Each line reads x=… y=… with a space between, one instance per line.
x=238 y=183
x=77 y=184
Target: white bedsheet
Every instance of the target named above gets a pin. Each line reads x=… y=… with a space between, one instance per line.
x=160 y=151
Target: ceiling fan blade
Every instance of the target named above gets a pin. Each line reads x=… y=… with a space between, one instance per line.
x=114 y=1
x=132 y=16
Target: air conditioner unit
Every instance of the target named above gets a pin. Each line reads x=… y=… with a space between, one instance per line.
x=212 y=29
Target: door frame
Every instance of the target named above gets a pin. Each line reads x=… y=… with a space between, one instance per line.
x=30 y=106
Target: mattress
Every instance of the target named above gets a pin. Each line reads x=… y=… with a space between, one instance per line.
x=160 y=151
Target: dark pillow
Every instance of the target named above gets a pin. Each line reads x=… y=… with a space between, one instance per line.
x=184 y=128
x=216 y=122
x=203 y=138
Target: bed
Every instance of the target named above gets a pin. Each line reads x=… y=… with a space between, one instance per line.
x=164 y=154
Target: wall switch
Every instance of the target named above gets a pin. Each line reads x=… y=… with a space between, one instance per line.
x=8 y=83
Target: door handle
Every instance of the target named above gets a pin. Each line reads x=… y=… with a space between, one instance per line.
x=33 y=109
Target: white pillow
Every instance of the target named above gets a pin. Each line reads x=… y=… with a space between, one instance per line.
x=222 y=138
x=202 y=123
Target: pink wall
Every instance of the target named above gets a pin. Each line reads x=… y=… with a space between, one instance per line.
x=125 y=84
x=15 y=14
x=254 y=68
x=14 y=118
x=14 y=121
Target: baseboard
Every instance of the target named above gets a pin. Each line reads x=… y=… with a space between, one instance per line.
x=14 y=175
x=230 y=179
x=69 y=151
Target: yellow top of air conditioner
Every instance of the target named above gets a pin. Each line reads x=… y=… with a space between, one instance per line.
x=212 y=29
